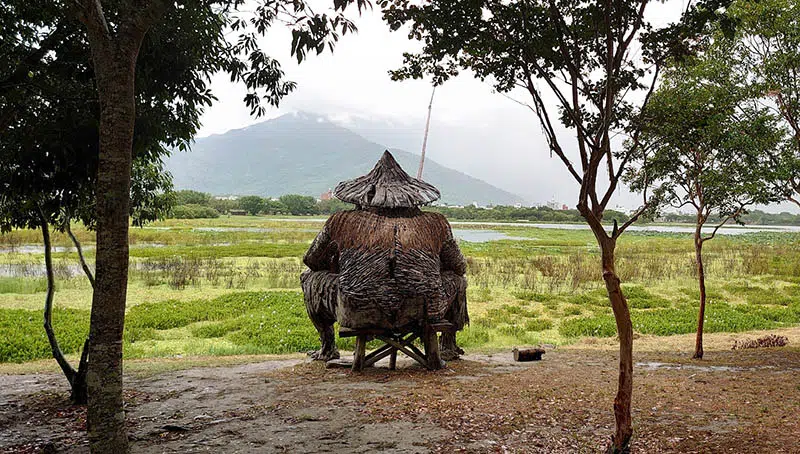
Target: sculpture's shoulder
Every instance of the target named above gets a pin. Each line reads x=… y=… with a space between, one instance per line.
x=436 y=221
x=342 y=219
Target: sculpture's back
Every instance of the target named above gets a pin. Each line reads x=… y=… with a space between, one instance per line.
x=390 y=264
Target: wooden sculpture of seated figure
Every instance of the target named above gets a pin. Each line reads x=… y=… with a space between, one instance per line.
x=385 y=264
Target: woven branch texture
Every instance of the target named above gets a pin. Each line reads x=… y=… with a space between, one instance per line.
x=394 y=266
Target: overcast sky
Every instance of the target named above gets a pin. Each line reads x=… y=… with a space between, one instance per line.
x=473 y=130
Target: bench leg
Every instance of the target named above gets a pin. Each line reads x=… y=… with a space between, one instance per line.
x=431 y=343
x=393 y=359
x=359 y=353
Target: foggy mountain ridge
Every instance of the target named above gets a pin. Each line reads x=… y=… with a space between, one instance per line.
x=307 y=154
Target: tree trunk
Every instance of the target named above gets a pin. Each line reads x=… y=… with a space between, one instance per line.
x=80 y=391
x=620 y=442
x=58 y=355
x=114 y=66
x=80 y=387
x=701 y=280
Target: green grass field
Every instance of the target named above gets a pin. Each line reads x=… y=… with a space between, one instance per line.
x=230 y=286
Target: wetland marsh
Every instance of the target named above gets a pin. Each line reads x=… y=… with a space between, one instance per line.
x=230 y=286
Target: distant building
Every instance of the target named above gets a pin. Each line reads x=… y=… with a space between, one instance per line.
x=237 y=212
x=564 y=208
x=327 y=195
x=226 y=197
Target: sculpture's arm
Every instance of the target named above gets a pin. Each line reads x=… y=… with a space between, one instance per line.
x=321 y=255
x=451 y=257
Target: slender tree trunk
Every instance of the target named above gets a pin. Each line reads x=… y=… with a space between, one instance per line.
x=701 y=280
x=114 y=69
x=77 y=380
x=80 y=391
x=622 y=402
x=66 y=368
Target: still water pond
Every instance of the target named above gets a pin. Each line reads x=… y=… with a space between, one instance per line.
x=250 y=229
x=482 y=236
x=728 y=230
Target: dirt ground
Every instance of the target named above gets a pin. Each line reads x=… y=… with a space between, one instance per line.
x=733 y=401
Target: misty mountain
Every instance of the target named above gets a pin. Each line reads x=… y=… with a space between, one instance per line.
x=306 y=154
x=503 y=150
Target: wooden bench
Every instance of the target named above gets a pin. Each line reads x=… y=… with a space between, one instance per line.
x=401 y=340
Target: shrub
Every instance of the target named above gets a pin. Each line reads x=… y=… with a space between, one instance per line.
x=768 y=296
x=24 y=339
x=516 y=331
x=694 y=293
x=517 y=310
x=189 y=197
x=777 y=314
x=473 y=336
x=174 y=314
x=589 y=299
x=273 y=332
x=505 y=314
x=539 y=324
x=719 y=317
x=597 y=326
x=482 y=293
x=212 y=330
x=166 y=314
x=639 y=298
x=135 y=334
x=262 y=322
x=534 y=296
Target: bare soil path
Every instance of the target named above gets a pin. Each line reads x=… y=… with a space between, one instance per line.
x=734 y=401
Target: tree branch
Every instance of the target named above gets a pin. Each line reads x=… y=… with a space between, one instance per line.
x=594 y=222
x=634 y=217
x=724 y=221
x=636 y=140
x=78 y=247
x=91 y=14
x=550 y=134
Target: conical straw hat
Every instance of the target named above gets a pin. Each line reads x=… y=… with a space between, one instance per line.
x=387 y=185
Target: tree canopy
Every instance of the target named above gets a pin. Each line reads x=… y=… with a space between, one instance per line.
x=708 y=143
x=766 y=49
x=253 y=204
x=299 y=204
x=188 y=196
